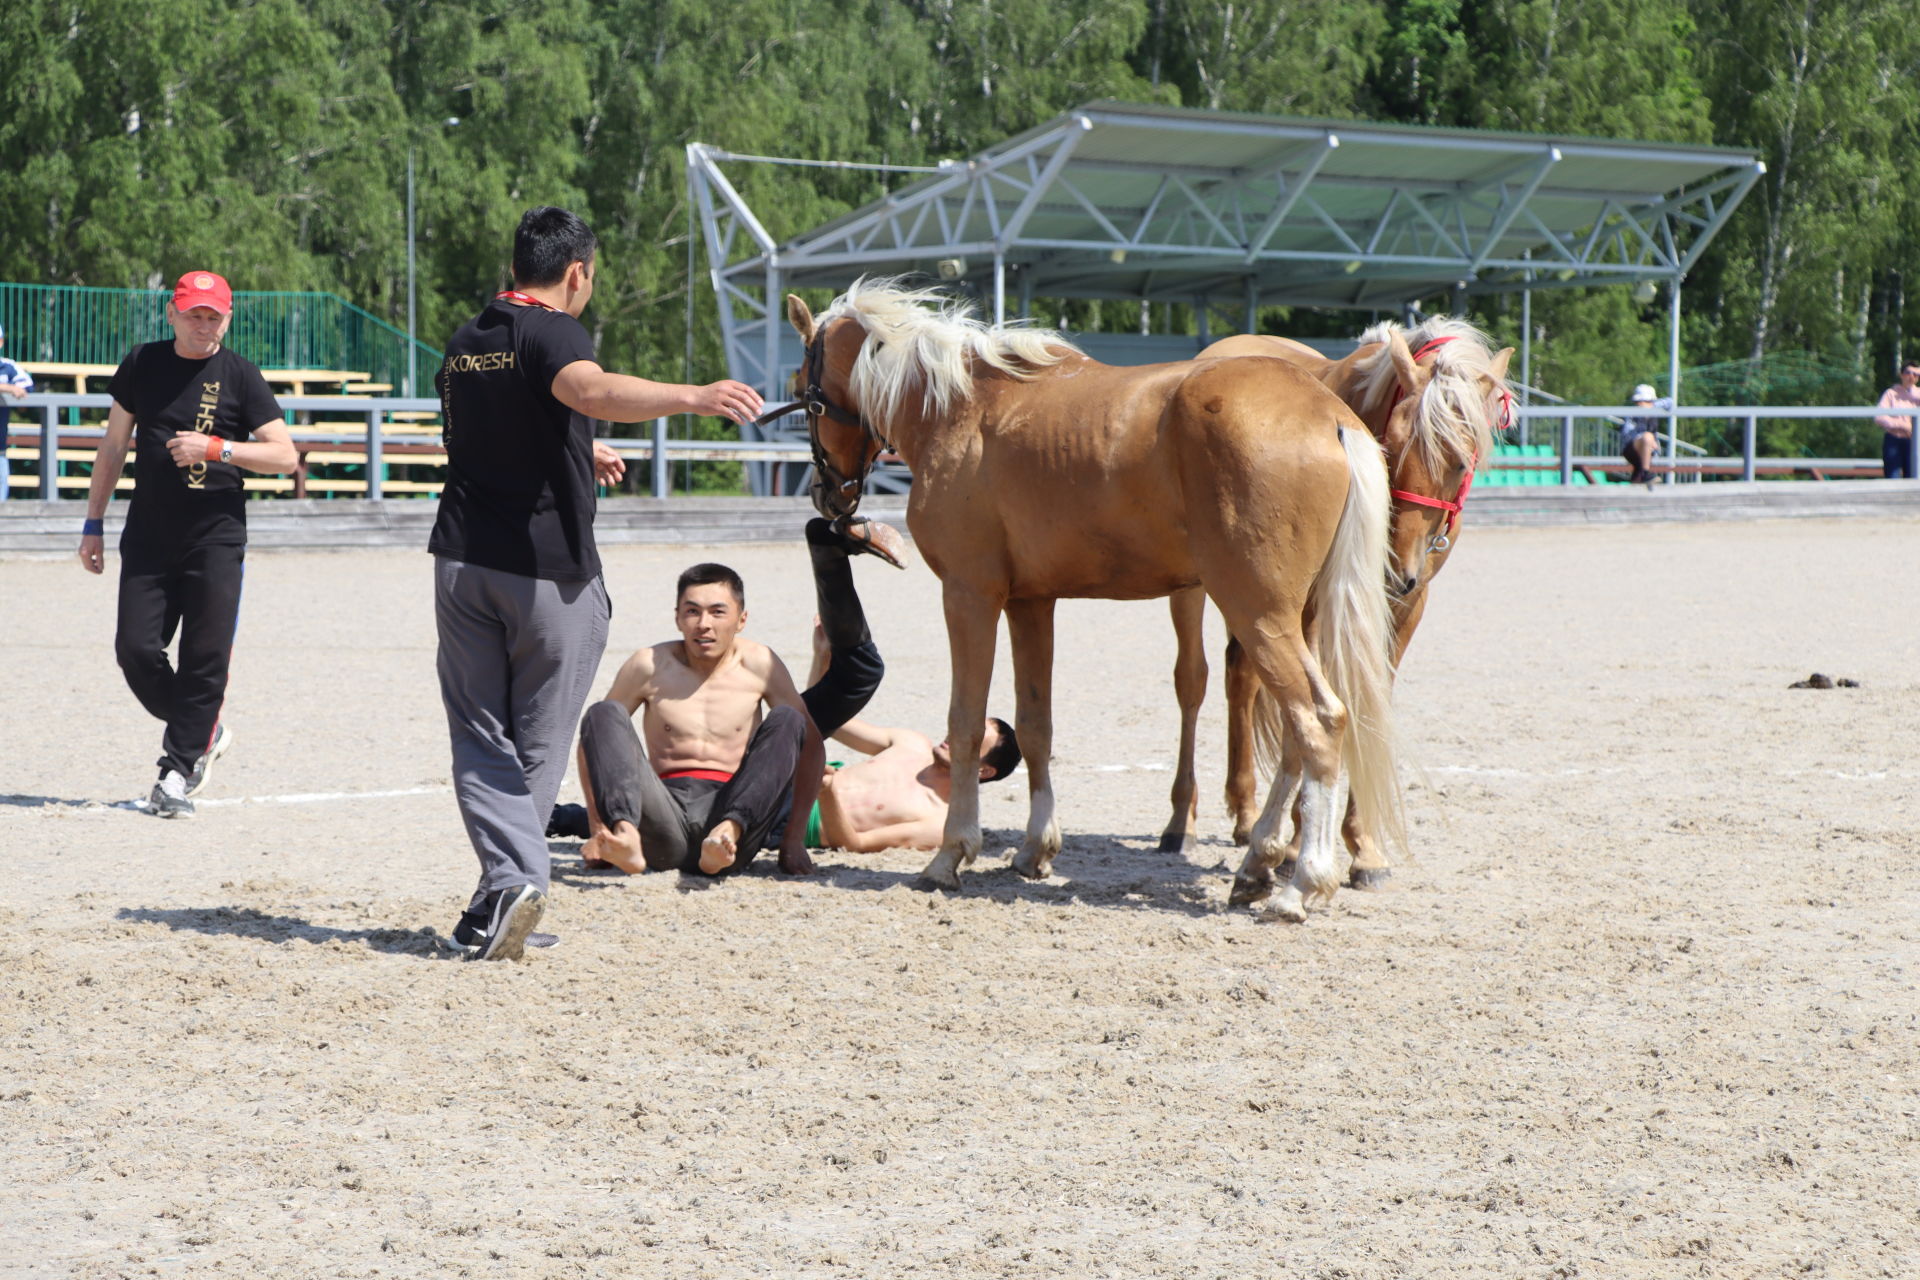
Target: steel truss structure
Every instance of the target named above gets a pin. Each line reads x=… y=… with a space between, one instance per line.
x=1217 y=209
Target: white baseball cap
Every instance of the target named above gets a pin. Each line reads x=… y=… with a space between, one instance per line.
x=1644 y=391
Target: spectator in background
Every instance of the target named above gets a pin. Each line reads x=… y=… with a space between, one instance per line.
x=15 y=382
x=197 y=414
x=1896 y=447
x=1640 y=436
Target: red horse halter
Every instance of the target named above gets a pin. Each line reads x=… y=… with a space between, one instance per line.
x=1444 y=540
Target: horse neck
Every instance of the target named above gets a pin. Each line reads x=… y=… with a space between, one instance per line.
x=1346 y=379
x=917 y=430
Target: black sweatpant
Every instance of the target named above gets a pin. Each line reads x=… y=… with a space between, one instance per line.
x=196 y=591
x=674 y=815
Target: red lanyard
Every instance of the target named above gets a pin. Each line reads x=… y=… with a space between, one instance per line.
x=514 y=295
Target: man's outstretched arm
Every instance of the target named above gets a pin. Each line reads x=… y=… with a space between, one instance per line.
x=868 y=739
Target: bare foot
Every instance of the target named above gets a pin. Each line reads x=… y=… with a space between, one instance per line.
x=721 y=846
x=616 y=846
x=796 y=862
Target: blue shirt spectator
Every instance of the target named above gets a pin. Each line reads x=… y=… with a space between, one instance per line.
x=15 y=382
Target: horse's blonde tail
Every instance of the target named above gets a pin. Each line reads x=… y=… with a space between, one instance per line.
x=1353 y=647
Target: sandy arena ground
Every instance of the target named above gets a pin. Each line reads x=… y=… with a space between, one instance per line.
x=1645 y=1005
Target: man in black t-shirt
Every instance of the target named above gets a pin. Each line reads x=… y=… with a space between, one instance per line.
x=520 y=607
x=193 y=404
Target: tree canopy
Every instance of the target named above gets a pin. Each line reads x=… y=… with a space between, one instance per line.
x=271 y=138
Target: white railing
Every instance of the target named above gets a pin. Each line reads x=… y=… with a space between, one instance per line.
x=370 y=440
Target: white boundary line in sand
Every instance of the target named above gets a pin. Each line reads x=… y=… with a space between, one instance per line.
x=1151 y=766
x=308 y=797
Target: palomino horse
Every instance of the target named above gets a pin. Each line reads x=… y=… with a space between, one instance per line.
x=1039 y=473
x=1433 y=397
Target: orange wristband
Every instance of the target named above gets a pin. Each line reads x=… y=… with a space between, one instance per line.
x=214 y=445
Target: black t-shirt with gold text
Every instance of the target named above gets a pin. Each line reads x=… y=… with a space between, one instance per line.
x=224 y=395
x=519 y=495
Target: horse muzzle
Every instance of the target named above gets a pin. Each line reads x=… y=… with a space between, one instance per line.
x=834 y=500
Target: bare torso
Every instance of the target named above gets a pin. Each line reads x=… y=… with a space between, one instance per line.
x=696 y=721
x=887 y=798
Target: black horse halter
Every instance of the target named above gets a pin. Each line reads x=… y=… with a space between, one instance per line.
x=828 y=477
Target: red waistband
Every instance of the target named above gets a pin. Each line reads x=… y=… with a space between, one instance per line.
x=710 y=775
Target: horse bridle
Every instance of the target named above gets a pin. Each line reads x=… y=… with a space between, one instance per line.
x=816 y=404
x=1441 y=541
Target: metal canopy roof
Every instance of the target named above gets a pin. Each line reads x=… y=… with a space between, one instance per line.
x=1119 y=200
x=1206 y=202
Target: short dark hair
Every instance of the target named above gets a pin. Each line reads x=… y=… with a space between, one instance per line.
x=706 y=575
x=1005 y=756
x=547 y=241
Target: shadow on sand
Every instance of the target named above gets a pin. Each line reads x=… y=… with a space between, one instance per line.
x=1121 y=873
x=245 y=922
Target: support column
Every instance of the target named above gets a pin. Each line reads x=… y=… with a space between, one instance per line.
x=1673 y=380
x=999 y=287
x=1252 y=324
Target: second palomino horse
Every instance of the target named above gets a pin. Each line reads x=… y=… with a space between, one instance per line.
x=1433 y=396
x=1040 y=474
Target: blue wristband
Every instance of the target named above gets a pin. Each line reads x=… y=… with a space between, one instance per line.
x=93 y=528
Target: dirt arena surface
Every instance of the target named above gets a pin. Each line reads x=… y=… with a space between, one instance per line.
x=1644 y=1006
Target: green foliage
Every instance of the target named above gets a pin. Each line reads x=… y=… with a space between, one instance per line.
x=269 y=138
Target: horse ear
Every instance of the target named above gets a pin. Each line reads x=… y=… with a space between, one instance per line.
x=1497 y=367
x=1413 y=379
x=800 y=317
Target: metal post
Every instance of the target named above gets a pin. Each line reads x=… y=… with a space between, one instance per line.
x=411 y=357
x=49 y=453
x=376 y=462
x=1026 y=293
x=1202 y=306
x=1748 y=441
x=999 y=288
x=662 y=477
x=1566 y=451
x=1673 y=384
x=1253 y=306
x=1526 y=342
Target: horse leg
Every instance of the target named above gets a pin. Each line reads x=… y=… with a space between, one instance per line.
x=1314 y=720
x=1370 y=869
x=1190 y=686
x=972 y=620
x=1243 y=682
x=1030 y=629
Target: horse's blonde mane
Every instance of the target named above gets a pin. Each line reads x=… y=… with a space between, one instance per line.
x=1454 y=420
x=923 y=334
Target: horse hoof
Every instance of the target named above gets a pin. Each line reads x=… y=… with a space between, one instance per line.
x=1243 y=833
x=1286 y=869
x=941 y=874
x=1369 y=877
x=1288 y=908
x=1032 y=866
x=1248 y=890
x=1175 y=842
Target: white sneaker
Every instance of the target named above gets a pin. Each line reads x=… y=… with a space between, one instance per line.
x=203 y=767
x=169 y=797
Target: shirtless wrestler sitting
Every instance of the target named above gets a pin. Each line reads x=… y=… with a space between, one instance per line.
x=701 y=786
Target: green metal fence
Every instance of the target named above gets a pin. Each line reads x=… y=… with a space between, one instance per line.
x=78 y=325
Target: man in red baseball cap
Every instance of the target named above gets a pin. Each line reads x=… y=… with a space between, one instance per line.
x=202 y=289
x=203 y=414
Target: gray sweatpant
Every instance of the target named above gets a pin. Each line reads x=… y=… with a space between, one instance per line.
x=517 y=658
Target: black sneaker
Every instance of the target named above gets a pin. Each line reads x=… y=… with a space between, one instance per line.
x=510 y=915
x=169 y=796
x=469 y=935
x=203 y=767
x=568 y=822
